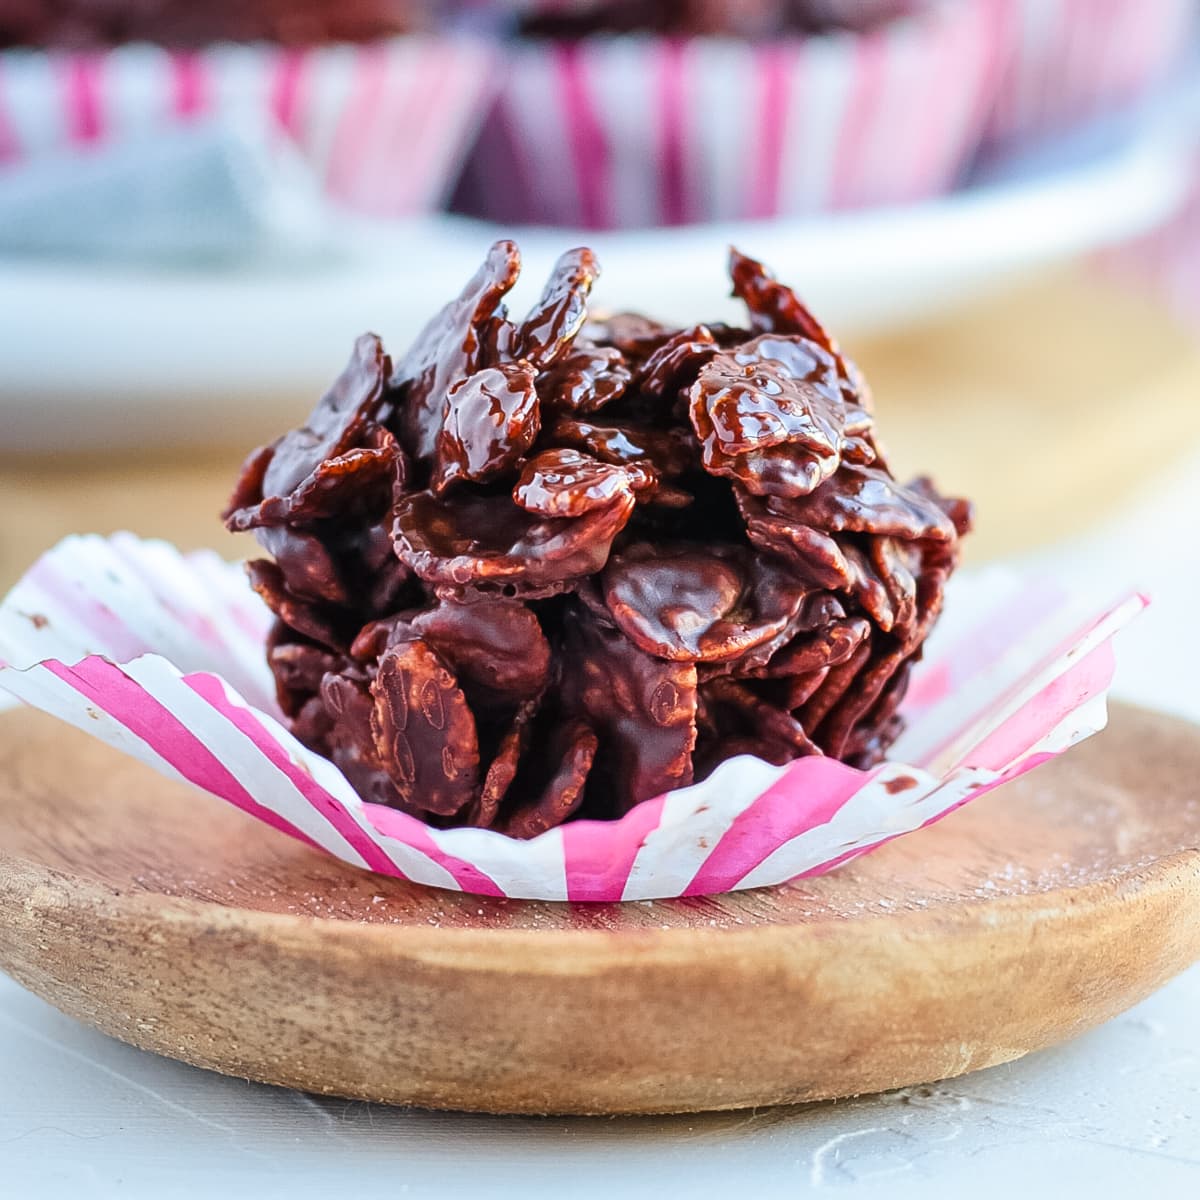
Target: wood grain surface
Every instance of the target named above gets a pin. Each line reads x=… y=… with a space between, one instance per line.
x=172 y=921
x=1049 y=407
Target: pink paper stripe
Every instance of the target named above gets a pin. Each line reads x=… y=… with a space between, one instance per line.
x=858 y=852
x=287 y=90
x=588 y=143
x=414 y=139
x=358 y=119
x=209 y=688
x=10 y=144
x=191 y=84
x=994 y=29
x=118 y=640
x=776 y=74
x=973 y=652
x=127 y=702
x=199 y=624
x=1025 y=728
x=997 y=701
x=399 y=825
x=1081 y=62
x=870 y=51
x=600 y=856
x=931 y=686
x=428 y=94
x=83 y=80
x=1014 y=772
x=672 y=133
x=943 y=91
x=809 y=794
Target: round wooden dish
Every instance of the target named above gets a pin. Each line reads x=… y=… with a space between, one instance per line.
x=168 y=919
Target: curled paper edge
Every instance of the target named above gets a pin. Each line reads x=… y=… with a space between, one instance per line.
x=160 y=655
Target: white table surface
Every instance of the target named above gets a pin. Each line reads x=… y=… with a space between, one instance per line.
x=1116 y=1110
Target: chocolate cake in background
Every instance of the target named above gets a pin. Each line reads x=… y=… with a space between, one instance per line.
x=190 y=24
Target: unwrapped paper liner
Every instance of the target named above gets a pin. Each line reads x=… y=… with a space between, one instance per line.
x=382 y=126
x=161 y=655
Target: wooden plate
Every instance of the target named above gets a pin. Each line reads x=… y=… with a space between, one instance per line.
x=170 y=920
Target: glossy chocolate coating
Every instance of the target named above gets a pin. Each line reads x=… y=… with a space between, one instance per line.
x=549 y=568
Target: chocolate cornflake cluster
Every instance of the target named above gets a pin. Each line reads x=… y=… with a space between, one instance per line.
x=549 y=568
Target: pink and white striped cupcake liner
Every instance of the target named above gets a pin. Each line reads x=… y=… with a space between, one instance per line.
x=619 y=132
x=383 y=126
x=638 y=131
x=161 y=655
x=1067 y=61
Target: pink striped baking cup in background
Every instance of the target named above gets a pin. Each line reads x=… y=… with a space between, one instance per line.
x=1069 y=61
x=160 y=655
x=639 y=131
x=384 y=126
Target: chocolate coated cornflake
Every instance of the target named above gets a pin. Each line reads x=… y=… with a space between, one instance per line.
x=553 y=567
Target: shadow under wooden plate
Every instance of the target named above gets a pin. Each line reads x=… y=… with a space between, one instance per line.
x=169 y=920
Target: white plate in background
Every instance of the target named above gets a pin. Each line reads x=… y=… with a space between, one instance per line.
x=99 y=354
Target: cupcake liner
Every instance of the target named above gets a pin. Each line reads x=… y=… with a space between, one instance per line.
x=383 y=126
x=616 y=132
x=161 y=655
x=1070 y=60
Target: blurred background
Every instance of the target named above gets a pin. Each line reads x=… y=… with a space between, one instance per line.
x=995 y=203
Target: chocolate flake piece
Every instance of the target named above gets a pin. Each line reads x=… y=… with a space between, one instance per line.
x=771 y=415
x=337 y=423
x=635 y=336
x=346 y=700
x=304 y=616
x=869 y=500
x=770 y=725
x=546 y=334
x=698 y=603
x=451 y=347
x=568 y=755
x=585 y=380
x=341 y=450
x=643 y=710
x=503 y=770
x=567 y=483
x=308 y=569
x=490 y=420
x=424 y=732
x=490 y=542
x=299 y=667
x=669 y=452
x=677 y=361
x=496 y=648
